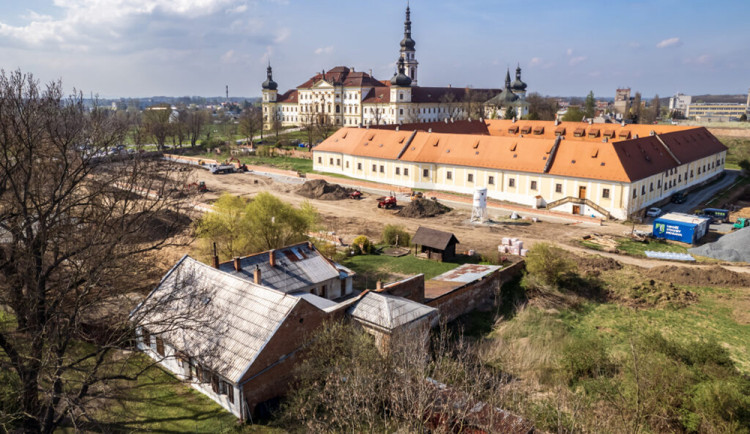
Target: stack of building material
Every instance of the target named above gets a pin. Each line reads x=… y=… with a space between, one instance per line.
x=514 y=246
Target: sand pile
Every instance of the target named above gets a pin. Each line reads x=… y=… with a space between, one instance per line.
x=714 y=276
x=320 y=189
x=423 y=208
x=731 y=247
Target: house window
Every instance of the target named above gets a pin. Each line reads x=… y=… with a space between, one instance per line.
x=679 y=178
x=558 y=188
x=230 y=392
x=347 y=164
x=398 y=171
x=512 y=182
x=401 y=97
x=635 y=193
x=146 y=336
x=359 y=166
x=651 y=187
x=374 y=167
x=426 y=173
x=400 y=111
x=449 y=175
x=406 y=171
x=491 y=180
x=691 y=173
x=643 y=190
x=470 y=177
x=533 y=185
x=160 y=346
x=382 y=169
x=320 y=160
x=330 y=161
x=658 y=184
x=215 y=383
x=699 y=170
x=338 y=161
x=605 y=193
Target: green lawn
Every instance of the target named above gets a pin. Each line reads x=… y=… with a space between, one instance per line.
x=636 y=248
x=739 y=149
x=284 y=163
x=371 y=268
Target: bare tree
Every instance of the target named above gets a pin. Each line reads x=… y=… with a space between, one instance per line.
x=251 y=121
x=136 y=128
x=73 y=230
x=196 y=120
x=474 y=101
x=448 y=100
x=324 y=125
x=156 y=121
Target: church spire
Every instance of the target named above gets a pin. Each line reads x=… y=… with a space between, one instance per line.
x=407 y=49
x=507 y=79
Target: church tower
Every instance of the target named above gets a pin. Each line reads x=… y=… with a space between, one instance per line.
x=270 y=93
x=407 y=50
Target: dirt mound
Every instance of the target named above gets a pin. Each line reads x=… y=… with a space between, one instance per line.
x=714 y=276
x=320 y=189
x=596 y=263
x=419 y=208
x=658 y=294
x=730 y=247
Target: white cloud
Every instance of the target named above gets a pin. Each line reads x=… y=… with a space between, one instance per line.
x=228 y=57
x=668 y=43
x=703 y=59
x=576 y=60
x=282 y=35
x=535 y=61
x=324 y=50
x=569 y=51
x=237 y=10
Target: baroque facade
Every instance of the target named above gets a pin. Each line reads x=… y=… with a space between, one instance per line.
x=342 y=96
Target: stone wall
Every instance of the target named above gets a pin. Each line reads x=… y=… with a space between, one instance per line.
x=411 y=288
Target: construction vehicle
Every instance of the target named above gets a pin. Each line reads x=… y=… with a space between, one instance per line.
x=416 y=195
x=387 y=201
x=199 y=187
x=215 y=168
x=741 y=222
x=716 y=215
x=240 y=165
x=356 y=194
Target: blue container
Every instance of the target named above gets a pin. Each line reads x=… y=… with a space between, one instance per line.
x=680 y=227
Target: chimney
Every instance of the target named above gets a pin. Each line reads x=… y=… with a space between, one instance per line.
x=370 y=72
x=215 y=258
x=237 y=264
x=310 y=245
x=272 y=258
x=378 y=285
x=256 y=275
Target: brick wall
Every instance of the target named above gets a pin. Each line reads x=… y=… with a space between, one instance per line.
x=475 y=295
x=411 y=288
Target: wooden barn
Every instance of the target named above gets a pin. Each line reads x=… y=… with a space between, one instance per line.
x=436 y=245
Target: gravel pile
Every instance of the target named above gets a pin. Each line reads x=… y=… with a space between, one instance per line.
x=419 y=208
x=320 y=189
x=733 y=247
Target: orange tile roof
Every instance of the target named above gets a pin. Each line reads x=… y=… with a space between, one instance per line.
x=503 y=127
x=579 y=157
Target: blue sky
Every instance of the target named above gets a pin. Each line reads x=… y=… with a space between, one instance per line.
x=196 y=47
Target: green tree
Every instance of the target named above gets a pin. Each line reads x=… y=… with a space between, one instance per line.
x=549 y=264
x=510 y=113
x=574 y=114
x=589 y=106
x=743 y=117
x=396 y=235
x=656 y=105
x=635 y=109
x=239 y=227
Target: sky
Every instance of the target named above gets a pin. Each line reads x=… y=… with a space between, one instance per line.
x=137 y=48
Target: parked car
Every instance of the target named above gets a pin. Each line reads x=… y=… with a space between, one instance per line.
x=653 y=212
x=679 y=197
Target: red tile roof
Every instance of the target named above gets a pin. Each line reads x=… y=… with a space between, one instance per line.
x=289 y=96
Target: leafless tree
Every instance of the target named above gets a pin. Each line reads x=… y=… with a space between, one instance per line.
x=450 y=103
x=195 y=123
x=541 y=108
x=156 y=120
x=474 y=101
x=324 y=125
x=251 y=121
x=74 y=230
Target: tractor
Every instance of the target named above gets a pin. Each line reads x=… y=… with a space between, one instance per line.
x=416 y=195
x=387 y=201
x=356 y=194
x=742 y=222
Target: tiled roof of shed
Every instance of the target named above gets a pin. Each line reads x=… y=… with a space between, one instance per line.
x=224 y=322
x=387 y=311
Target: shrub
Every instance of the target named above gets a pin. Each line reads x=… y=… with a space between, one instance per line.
x=362 y=245
x=396 y=235
x=265 y=151
x=585 y=357
x=549 y=264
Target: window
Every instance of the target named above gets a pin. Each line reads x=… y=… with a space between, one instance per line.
x=449 y=175
x=512 y=182
x=359 y=166
x=400 y=111
x=215 y=383
x=658 y=184
x=470 y=177
x=230 y=393
x=635 y=193
x=406 y=171
x=699 y=170
x=320 y=160
x=146 y=336
x=338 y=161
x=691 y=173
x=160 y=346
x=398 y=171
x=533 y=185
x=426 y=173
x=347 y=164
x=643 y=190
x=401 y=96
x=651 y=187
x=558 y=188
x=382 y=169
x=374 y=167
x=491 y=180
x=679 y=178
x=330 y=161
x=605 y=193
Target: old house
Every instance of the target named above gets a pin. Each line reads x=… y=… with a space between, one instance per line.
x=299 y=268
x=437 y=245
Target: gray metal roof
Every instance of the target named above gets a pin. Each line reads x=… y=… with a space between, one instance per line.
x=222 y=321
x=296 y=267
x=388 y=311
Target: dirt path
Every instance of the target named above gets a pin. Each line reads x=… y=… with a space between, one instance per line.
x=350 y=218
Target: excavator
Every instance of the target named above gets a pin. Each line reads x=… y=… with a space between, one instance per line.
x=242 y=167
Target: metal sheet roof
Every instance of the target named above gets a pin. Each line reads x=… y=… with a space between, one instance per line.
x=296 y=267
x=467 y=273
x=222 y=321
x=388 y=311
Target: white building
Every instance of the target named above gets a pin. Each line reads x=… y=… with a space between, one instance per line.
x=679 y=103
x=345 y=97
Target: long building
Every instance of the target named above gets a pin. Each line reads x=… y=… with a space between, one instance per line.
x=342 y=96
x=606 y=170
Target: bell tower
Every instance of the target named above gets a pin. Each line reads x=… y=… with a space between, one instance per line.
x=408 y=53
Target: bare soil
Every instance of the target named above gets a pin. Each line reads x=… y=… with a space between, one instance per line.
x=320 y=189
x=713 y=276
x=421 y=208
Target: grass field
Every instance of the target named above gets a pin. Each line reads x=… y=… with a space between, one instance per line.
x=281 y=162
x=739 y=149
x=636 y=248
x=371 y=268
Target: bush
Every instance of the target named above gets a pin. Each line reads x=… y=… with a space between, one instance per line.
x=362 y=245
x=548 y=264
x=585 y=357
x=396 y=235
x=265 y=151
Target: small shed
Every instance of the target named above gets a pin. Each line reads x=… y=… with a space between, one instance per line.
x=438 y=245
